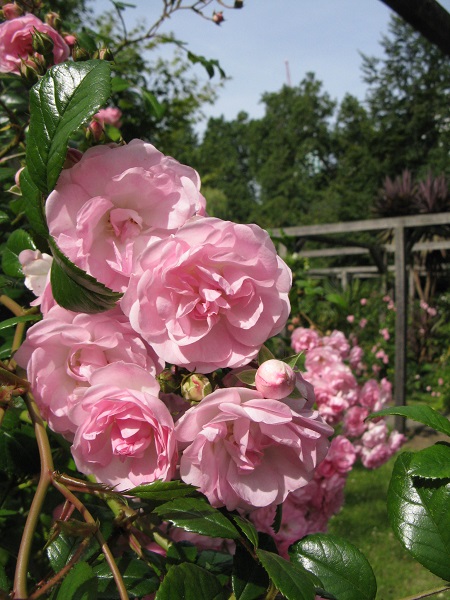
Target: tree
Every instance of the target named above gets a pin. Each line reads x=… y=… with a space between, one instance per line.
x=292 y=156
x=408 y=99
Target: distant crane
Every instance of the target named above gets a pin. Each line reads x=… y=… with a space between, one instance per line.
x=288 y=73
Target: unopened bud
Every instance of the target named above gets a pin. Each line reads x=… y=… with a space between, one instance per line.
x=11 y=11
x=53 y=19
x=238 y=3
x=168 y=381
x=70 y=39
x=103 y=54
x=218 y=17
x=95 y=131
x=73 y=156
x=42 y=43
x=195 y=387
x=79 y=54
x=275 y=379
x=29 y=71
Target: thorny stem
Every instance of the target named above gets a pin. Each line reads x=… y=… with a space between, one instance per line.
x=104 y=546
x=428 y=593
x=45 y=455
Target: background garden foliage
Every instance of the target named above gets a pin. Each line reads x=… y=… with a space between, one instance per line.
x=77 y=89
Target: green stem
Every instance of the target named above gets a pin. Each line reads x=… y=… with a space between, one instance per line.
x=45 y=455
x=104 y=546
x=428 y=593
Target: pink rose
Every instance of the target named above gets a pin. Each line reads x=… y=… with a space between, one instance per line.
x=320 y=358
x=304 y=339
x=36 y=268
x=275 y=379
x=354 y=424
x=339 y=459
x=109 y=116
x=62 y=352
x=127 y=435
x=210 y=295
x=236 y=441
x=16 y=42
x=338 y=341
x=372 y=396
x=355 y=357
x=105 y=208
x=373 y=458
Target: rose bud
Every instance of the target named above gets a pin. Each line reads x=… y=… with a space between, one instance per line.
x=275 y=379
x=195 y=387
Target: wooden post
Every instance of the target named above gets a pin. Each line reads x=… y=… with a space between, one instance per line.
x=400 y=324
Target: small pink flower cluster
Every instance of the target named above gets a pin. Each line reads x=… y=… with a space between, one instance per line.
x=330 y=362
x=199 y=293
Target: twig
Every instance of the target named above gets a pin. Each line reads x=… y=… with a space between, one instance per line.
x=429 y=593
x=20 y=578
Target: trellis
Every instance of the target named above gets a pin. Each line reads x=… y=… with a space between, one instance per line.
x=398 y=225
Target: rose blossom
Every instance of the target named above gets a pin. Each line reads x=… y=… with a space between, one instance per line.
x=36 y=268
x=275 y=379
x=339 y=342
x=62 y=352
x=16 y=42
x=209 y=296
x=339 y=459
x=110 y=203
x=303 y=338
x=246 y=451
x=354 y=424
x=127 y=435
x=109 y=116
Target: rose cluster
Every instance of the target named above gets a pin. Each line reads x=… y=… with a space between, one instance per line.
x=333 y=365
x=200 y=296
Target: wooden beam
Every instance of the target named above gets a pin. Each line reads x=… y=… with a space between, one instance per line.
x=365 y=225
x=428 y=17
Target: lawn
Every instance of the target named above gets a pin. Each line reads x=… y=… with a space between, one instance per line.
x=364 y=522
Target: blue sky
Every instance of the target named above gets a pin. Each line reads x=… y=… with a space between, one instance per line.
x=253 y=44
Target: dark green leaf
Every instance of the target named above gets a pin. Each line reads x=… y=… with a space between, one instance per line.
x=247 y=376
x=138 y=577
x=66 y=96
x=264 y=354
x=153 y=106
x=79 y=584
x=23 y=319
x=296 y=360
x=195 y=514
x=249 y=579
x=60 y=550
x=75 y=290
x=419 y=515
x=247 y=528
x=432 y=462
x=163 y=490
x=424 y=414
x=3 y=217
x=18 y=240
x=33 y=205
x=181 y=552
x=4 y=581
x=119 y=85
x=290 y=579
x=341 y=567
x=190 y=582
x=218 y=563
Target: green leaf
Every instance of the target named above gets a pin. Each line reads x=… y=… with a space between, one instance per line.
x=290 y=579
x=138 y=577
x=79 y=584
x=34 y=205
x=341 y=567
x=337 y=299
x=432 y=462
x=18 y=240
x=60 y=550
x=75 y=290
x=419 y=515
x=119 y=85
x=23 y=319
x=247 y=528
x=195 y=514
x=264 y=354
x=153 y=106
x=4 y=581
x=162 y=490
x=296 y=360
x=247 y=376
x=249 y=579
x=66 y=96
x=3 y=217
x=190 y=582
x=423 y=414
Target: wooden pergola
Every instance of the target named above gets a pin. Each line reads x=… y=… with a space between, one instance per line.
x=398 y=225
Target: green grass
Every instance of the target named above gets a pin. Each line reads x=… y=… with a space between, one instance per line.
x=363 y=521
